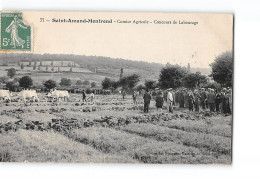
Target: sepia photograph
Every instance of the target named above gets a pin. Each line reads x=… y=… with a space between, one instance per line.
x=116 y=87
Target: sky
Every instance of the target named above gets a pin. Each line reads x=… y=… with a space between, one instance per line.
x=161 y=43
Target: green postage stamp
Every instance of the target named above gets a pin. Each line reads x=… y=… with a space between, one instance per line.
x=15 y=35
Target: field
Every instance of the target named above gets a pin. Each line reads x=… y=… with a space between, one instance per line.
x=111 y=130
x=78 y=73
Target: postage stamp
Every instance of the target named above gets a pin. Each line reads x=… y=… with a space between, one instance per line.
x=15 y=34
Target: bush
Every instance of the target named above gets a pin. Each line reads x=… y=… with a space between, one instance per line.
x=25 y=82
x=11 y=72
x=79 y=82
x=150 y=84
x=50 y=84
x=11 y=86
x=4 y=79
x=93 y=85
x=106 y=83
x=129 y=82
x=86 y=82
x=65 y=82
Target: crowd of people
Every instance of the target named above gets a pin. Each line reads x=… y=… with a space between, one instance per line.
x=194 y=100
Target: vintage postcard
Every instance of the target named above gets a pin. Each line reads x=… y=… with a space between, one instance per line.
x=116 y=87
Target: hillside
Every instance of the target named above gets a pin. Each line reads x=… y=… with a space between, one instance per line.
x=90 y=62
x=79 y=67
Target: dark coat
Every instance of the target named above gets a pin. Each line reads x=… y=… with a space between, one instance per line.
x=211 y=98
x=159 y=101
x=147 y=97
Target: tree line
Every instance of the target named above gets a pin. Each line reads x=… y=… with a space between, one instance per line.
x=90 y=62
x=176 y=76
x=26 y=82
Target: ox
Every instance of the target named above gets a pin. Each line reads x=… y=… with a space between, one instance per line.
x=59 y=94
x=6 y=95
x=29 y=94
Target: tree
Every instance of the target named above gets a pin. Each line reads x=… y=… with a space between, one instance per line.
x=129 y=81
x=11 y=86
x=11 y=72
x=22 y=66
x=133 y=80
x=50 y=84
x=193 y=80
x=150 y=84
x=93 y=85
x=86 y=82
x=114 y=84
x=79 y=82
x=213 y=85
x=171 y=76
x=123 y=82
x=106 y=83
x=65 y=82
x=222 y=69
x=25 y=82
x=140 y=87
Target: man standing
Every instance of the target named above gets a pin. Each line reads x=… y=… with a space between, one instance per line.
x=222 y=101
x=159 y=101
x=186 y=98
x=169 y=100
x=147 y=98
x=217 y=101
x=134 y=97
x=190 y=100
x=84 y=96
x=211 y=100
x=203 y=98
x=181 y=98
x=230 y=100
x=123 y=93
x=196 y=100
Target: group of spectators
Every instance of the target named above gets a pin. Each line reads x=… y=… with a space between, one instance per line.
x=194 y=100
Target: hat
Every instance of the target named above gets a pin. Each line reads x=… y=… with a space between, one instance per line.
x=170 y=89
x=156 y=88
